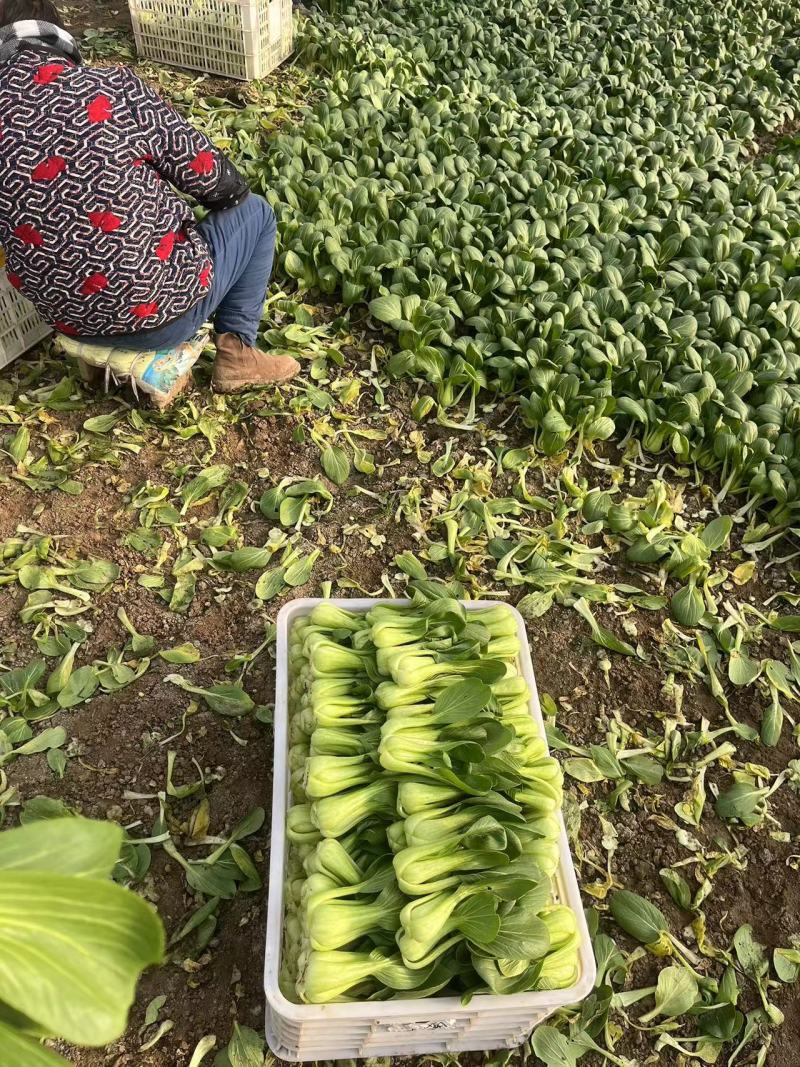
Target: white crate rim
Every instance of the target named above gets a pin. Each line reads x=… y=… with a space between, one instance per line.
x=428 y=1008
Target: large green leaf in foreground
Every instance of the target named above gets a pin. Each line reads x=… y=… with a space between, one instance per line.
x=75 y=847
x=72 y=943
x=22 y=1052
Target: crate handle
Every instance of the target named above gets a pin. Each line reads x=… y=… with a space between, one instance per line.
x=421 y=1025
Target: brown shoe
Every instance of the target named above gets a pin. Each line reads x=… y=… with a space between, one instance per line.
x=238 y=366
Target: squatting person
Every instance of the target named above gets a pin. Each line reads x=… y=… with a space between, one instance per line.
x=93 y=230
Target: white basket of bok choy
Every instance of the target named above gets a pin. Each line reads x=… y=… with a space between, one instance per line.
x=422 y=896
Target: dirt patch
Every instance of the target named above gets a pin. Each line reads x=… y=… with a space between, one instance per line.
x=121 y=741
x=768 y=142
x=82 y=15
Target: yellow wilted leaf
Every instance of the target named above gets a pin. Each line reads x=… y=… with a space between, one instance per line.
x=199 y=820
x=744 y=572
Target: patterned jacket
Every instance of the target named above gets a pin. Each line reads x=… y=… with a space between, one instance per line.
x=94 y=234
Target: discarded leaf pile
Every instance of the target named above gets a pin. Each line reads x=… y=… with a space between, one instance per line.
x=424 y=831
x=564 y=202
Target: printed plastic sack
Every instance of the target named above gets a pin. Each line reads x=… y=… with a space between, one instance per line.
x=160 y=375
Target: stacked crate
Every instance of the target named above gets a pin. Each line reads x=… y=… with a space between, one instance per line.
x=242 y=39
x=20 y=325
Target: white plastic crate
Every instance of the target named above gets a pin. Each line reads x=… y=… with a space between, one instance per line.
x=20 y=325
x=397 y=1027
x=243 y=39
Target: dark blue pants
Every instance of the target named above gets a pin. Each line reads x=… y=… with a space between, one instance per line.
x=242 y=244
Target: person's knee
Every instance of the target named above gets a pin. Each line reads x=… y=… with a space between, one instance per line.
x=264 y=212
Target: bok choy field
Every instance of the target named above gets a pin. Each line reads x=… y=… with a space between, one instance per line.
x=541 y=264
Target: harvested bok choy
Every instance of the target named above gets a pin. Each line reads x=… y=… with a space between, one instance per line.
x=424 y=834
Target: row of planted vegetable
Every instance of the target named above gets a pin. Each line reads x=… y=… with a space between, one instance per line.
x=424 y=830
x=565 y=203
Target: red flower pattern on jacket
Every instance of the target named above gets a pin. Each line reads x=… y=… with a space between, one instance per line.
x=95 y=283
x=49 y=169
x=29 y=235
x=203 y=163
x=48 y=73
x=165 y=246
x=99 y=109
x=106 y=221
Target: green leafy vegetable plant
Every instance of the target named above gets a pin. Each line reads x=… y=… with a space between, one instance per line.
x=57 y=903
